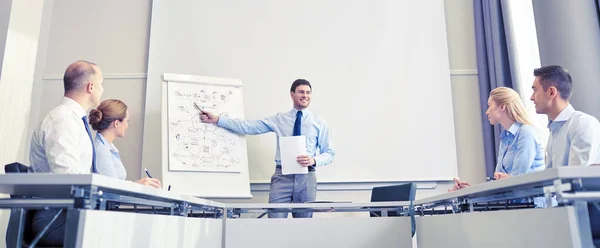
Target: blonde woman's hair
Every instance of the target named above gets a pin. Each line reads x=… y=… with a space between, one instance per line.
x=514 y=106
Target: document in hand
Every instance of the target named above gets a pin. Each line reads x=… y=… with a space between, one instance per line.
x=290 y=148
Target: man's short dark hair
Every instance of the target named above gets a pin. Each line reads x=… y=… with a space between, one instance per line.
x=555 y=75
x=299 y=82
x=78 y=74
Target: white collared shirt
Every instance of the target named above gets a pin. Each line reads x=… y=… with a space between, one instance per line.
x=574 y=139
x=60 y=144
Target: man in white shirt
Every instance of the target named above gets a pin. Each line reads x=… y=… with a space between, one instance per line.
x=574 y=135
x=62 y=142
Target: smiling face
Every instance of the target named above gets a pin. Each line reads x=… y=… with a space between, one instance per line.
x=301 y=97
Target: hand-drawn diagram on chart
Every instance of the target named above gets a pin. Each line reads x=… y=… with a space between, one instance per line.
x=198 y=146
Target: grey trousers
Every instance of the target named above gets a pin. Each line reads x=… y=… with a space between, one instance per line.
x=298 y=188
x=55 y=235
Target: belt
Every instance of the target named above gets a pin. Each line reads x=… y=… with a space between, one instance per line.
x=310 y=168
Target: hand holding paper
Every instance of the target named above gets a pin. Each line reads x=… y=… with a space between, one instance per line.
x=305 y=160
x=290 y=148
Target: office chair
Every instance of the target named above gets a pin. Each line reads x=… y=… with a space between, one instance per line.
x=20 y=218
x=401 y=192
x=593 y=210
x=594 y=214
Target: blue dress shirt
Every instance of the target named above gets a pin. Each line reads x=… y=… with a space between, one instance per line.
x=282 y=124
x=108 y=160
x=520 y=151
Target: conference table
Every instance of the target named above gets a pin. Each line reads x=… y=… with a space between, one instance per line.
x=469 y=221
x=107 y=212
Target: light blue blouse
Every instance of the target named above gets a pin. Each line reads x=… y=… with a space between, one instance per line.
x=520 y=151
x=108 y=160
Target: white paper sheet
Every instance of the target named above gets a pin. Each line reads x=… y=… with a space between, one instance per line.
x=290 y=148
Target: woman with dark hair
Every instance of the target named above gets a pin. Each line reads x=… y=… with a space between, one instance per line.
x=111 y=120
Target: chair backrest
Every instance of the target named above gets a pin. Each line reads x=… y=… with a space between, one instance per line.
x=401 y=192
x=594 y=216
x=16 y=168
x=592 y=184
x=14 y=219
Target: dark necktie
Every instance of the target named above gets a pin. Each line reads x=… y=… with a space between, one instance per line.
x=87 y=128
x=298 y=124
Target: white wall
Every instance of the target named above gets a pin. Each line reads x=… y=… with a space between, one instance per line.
x=115 y=36
x=16 y=80
x=5 y=7
x=465 y=89
x=22 y=35
x=360 y=50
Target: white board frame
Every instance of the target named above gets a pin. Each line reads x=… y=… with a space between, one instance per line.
x=199 y=187
x=189 y=80
x=169 y=52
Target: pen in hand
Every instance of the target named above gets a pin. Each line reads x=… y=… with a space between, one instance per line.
x=490 y=178
x=198 y=108
x=150 y=176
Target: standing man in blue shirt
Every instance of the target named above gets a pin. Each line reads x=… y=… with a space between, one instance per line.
x=296 y=188
x=574 y=135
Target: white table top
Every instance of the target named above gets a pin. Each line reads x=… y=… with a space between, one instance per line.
x=48 y=185
x=59 y=186
x=537 y=179
x=340 y=205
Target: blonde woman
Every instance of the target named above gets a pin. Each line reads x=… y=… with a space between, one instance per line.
x=111 y=120
x=520 y=151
